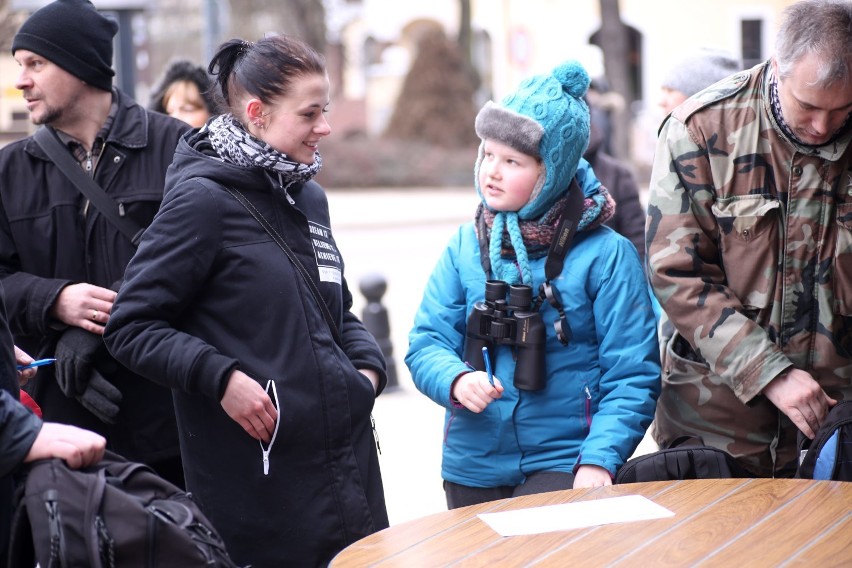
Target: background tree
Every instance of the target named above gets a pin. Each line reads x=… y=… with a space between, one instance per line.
x=9 y=24
x=305 y=19
x=614 y=44
x=435 y=103
x=465 y=40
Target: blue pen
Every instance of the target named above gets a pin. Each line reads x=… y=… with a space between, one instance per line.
x=37 y=363
x=488 y=365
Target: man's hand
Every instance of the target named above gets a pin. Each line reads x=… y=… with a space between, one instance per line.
x=591 y=476
x=75 y=355
x=800 y=397
x=85 y=306
x=78 y=447
x=248 y=405
x=474 y=392
x=22 y=358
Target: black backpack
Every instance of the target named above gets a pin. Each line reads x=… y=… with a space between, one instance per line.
x=686 y=457
x=829 y=454
x=113 y=514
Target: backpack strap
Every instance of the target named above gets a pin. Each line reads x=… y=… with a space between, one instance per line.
x=58 y=154
x=300 y=268
x=829 y=454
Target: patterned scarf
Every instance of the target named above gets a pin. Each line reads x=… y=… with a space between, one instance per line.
x=524 y=240
x=237 y=146
x=775 y=104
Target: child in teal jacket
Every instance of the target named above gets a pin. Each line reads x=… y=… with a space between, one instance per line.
x=576 y=371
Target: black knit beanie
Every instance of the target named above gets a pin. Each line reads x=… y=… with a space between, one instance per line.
x=74 y=36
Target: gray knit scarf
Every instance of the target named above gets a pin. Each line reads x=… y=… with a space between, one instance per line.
x=237 y=146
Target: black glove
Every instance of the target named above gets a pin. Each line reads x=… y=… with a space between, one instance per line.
x=101 y=398
x=76 y=352
x=75 y=355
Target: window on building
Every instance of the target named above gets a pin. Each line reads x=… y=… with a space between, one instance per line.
x=751 y=39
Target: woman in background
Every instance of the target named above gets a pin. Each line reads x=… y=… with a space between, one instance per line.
x=185 y=92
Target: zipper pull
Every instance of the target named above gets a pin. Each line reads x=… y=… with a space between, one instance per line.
x=376 y=434
x=290 y=200
x=121 y=210
x=588 y=392
x=265 y=462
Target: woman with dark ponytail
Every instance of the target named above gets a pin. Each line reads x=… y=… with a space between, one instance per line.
x=273 y=384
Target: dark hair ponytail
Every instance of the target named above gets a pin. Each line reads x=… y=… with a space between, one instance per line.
x=264 y=69
x=223 y=65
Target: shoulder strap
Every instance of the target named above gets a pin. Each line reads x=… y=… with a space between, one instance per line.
x=568 y=224
x=300 y=268
x=59 y=155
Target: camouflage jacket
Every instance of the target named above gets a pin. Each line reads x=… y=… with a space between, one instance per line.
x=749 y=239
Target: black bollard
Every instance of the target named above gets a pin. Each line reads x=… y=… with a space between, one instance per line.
x=375 y=318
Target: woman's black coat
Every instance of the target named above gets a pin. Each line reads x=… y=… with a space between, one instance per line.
x=210 y=291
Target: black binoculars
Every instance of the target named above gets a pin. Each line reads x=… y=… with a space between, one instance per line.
x=497 y=321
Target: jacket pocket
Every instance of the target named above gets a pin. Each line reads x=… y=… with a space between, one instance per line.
x=749 y=229
x=586 y=397
x=842 y=277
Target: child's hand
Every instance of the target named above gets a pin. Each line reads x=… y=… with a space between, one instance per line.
x=591 y=476
x=474 y=392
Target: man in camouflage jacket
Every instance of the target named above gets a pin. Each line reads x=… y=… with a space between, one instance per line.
x=749 y=237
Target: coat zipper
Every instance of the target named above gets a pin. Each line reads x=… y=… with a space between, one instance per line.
x=270 y=385
x=375 y=434
x=290 y=200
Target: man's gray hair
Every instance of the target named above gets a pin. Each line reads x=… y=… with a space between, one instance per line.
x=822 y=28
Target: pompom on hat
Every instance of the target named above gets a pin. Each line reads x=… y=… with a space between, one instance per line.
x=546 y=118
x=73 y=35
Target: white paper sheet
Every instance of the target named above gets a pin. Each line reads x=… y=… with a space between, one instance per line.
x=575 y=515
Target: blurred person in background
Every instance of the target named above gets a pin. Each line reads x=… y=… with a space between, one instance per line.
x=694 y=72
x=616 y=177
x=184 y=92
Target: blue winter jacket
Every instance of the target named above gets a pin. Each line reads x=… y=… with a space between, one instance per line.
x=601 y=388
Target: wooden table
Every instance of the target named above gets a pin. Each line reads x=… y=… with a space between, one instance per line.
x=717 y=522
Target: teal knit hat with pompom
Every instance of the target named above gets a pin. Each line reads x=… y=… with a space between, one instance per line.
x=545 y=118
x=548 y=119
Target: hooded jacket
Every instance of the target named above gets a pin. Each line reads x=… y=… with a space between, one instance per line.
x=208 y=292
x=600 y=389
x=46 y=244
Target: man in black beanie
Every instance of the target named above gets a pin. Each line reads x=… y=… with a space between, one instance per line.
x=61 y=257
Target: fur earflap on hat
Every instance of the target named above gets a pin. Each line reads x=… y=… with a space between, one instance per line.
x=546 y=118
x=73 y=35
